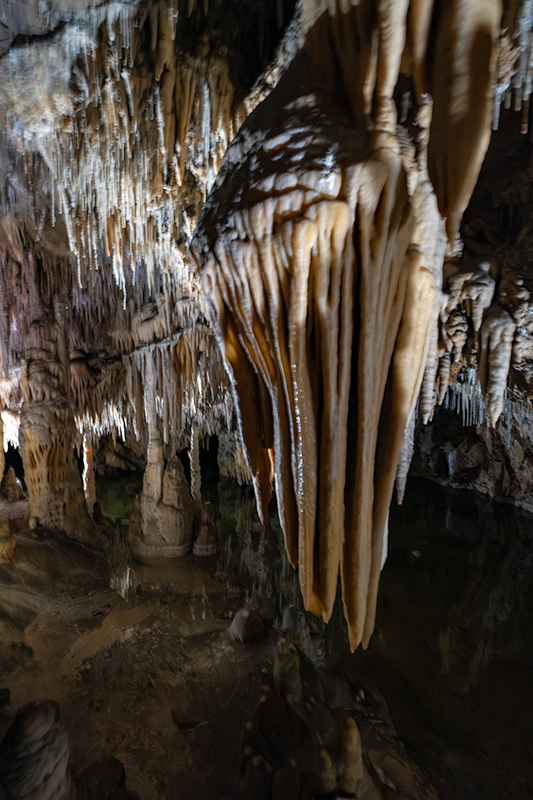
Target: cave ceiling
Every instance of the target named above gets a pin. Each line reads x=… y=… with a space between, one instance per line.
x=304 y=225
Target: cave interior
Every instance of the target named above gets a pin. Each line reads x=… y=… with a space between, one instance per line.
x=266 y=345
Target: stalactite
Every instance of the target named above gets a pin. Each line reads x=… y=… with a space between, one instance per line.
x=406 y=456
x=320 y=244
x=47 y=425
x=303 y=269
x=462 y=69
x=497 y=335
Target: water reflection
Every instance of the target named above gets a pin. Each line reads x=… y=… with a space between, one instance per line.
x=452 y=653
x=453 y=647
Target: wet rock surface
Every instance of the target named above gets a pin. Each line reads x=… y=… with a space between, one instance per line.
x=247 y=626
x=497 y=462
x=105 y=780
x=441 y=697
x=34 y=755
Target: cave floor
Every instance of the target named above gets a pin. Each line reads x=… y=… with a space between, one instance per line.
x=151 y=680
x=155 y=681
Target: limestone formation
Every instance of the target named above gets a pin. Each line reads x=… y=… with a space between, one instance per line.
x=47 y=428
x=164 y=526
x=14 y=513
x=304 y=742
x=324 y=256
x=7 y=543
x=34 y=755
x=338 y=298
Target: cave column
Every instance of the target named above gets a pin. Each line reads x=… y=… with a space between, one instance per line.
x=47 y=430
x=155 y=459
x=162 y=525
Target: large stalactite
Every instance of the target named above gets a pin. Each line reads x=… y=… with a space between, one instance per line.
x=318 y=249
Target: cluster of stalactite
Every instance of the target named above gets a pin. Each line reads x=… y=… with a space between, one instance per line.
x=336 y=293
x=321 y=250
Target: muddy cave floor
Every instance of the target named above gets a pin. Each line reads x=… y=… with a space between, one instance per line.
x=154 y=680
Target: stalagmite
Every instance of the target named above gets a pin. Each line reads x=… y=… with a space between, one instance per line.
x=497 y=335
x=205 y=543
x=161 y=526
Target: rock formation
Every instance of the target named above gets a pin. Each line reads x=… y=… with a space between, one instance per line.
x=335 y=297
x=163 y=527
x=321 y=251
x=301 y=745
x=34 y=755
x=205 y=543
x=47 y=428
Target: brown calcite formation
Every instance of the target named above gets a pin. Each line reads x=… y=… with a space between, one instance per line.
x=14 y=513
x=47 y=433
x=163 y=524
x=205 y=542
x=318 y=248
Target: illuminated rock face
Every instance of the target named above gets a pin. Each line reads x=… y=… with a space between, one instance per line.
x=318 y=248
x=47 y=429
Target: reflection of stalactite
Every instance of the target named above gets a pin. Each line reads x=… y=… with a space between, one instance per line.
x=34 y=755
x=483 y=624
